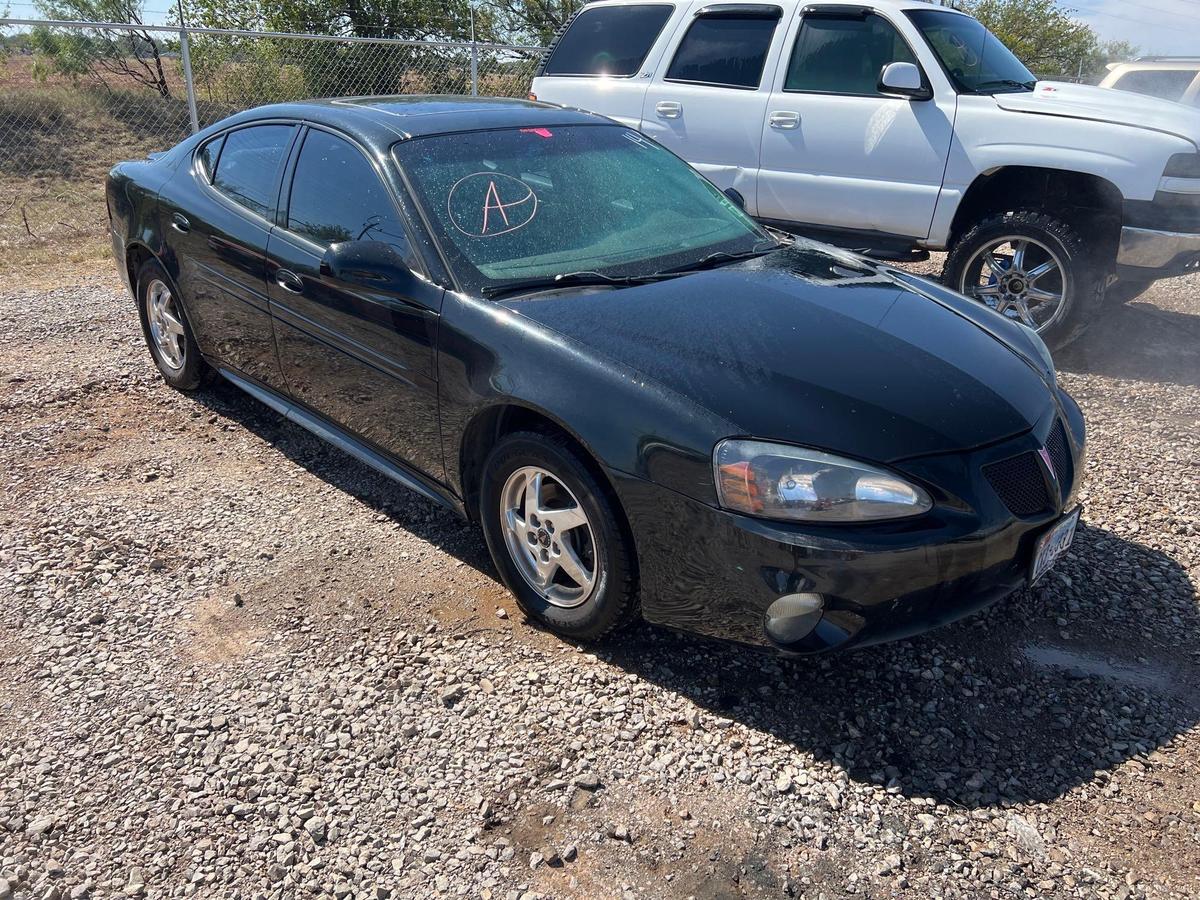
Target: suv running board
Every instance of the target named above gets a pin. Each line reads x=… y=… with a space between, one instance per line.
x=343 y=440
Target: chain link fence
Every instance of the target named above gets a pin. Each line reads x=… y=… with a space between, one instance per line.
x=76 y=97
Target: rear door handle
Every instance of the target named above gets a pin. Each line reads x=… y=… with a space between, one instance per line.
x=783 y=119
x=669 y=109
x=180 y=223
x=289 y=281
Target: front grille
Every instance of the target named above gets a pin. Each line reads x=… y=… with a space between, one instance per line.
x=1019 y=483
x=1060 y=456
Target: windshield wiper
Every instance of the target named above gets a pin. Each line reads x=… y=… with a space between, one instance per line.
x=721 y=257
x=570 y=279
x=1006 y=82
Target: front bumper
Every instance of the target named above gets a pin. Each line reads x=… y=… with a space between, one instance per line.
x=716 y=573
x=1160 y=237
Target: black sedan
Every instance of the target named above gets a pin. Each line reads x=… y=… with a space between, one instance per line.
x=652 y=406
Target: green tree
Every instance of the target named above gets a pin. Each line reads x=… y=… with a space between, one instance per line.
x=1041 y=33
x=135 y=54
x=532 y=22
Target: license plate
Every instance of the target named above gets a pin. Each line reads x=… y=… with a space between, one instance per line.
x=1053 y=544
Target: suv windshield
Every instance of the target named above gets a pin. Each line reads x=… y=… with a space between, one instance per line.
x=972 y=56
x=522 y=204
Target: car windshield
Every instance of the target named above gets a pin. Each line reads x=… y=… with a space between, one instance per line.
x=972 y=56
x=524 y=204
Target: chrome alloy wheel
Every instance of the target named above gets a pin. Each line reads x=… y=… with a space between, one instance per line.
x=549 y=537
x=166 y=325
x=1018 y=277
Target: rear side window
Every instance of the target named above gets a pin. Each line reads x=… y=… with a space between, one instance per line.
x=249 y=165
x=206 y=159
x=724 y=50
x=609 y=40
x=1169 y=84
x=844 y=56
x=337 y=196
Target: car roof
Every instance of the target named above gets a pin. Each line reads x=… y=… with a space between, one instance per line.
x=788 y=5
x=385 y=120
x=1180 y=64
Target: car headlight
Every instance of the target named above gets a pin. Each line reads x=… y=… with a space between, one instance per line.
x=778 y=481
x=1183 y=165
x=1043 y=352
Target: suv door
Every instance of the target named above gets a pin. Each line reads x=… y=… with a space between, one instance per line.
x=603 y=58
x=707 y=104
x=218 y=212
x=837 y=151
x=362 y=358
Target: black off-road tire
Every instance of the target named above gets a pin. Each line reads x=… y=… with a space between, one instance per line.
x=194 y=371
x=613 y=601
x=1085 y=269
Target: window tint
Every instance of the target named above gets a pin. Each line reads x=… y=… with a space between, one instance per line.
x=1169 y=84
x=611 y=40
x=337 y=196
x=844 y=56
x=724 y=51
x=249 y=163
x=207 y=157
x=974 y=58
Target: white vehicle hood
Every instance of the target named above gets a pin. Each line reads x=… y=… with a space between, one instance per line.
x=1084 y=101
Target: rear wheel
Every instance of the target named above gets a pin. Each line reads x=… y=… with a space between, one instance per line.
x=166 y=329
x=557 y=537
x=1033 y=268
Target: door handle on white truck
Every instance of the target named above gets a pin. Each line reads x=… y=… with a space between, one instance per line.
x=669 y=109
x=783 y=119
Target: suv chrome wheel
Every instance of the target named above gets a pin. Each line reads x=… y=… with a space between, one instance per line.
x=1018 y=277
x=548 y=536
x=166 y=325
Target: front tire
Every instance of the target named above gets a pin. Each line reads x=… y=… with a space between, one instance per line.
x=1032 y=267
x=557 y=537
x=165 y=327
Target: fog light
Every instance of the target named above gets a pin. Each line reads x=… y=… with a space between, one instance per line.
x=794 y=616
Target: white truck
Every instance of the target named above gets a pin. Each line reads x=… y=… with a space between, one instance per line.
x=897 y=127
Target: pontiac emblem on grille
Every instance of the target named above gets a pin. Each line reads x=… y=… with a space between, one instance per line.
x=1045 y=455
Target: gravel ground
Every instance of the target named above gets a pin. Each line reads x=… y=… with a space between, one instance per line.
x=234 y=662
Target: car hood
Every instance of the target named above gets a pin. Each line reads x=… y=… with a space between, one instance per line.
x=813 y=346
x=1085 y=101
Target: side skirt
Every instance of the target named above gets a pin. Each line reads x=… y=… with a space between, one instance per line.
x=343 y=440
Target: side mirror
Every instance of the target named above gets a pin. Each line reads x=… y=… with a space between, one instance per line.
x=903 y=79
x=375 y=265
x=736 y=196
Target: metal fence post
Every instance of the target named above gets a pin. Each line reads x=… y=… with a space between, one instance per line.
x=188 y=82
x=474 y=58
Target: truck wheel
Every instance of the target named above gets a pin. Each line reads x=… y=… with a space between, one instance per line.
x=1031 y=267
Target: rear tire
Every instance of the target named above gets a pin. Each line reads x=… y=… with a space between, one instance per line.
x=166 y=330
x=557 y=537
x=1069 y=268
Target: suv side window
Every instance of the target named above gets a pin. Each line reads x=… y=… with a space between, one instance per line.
x=249 y=164
x=608 y=40
x=1170 y=84
x=835 y=55
x=337 y=196
x=727 y=48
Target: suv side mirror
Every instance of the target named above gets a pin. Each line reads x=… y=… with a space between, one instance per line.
x=903 y=79
x=736 y=196
x=375 y=265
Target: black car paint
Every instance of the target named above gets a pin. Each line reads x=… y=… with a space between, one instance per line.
x=805 y=345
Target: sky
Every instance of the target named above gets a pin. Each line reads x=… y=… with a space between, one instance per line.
x=1167 y=27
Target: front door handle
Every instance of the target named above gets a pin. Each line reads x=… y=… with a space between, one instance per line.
x=783 y=119
x=180 y=223
x=289 y=281
x=669 y=109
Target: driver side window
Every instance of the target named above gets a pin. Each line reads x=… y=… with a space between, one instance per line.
x=337 y=196
x=844 y=55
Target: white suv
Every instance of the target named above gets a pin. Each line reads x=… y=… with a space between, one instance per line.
x=1169 y=77
x=899 y=127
